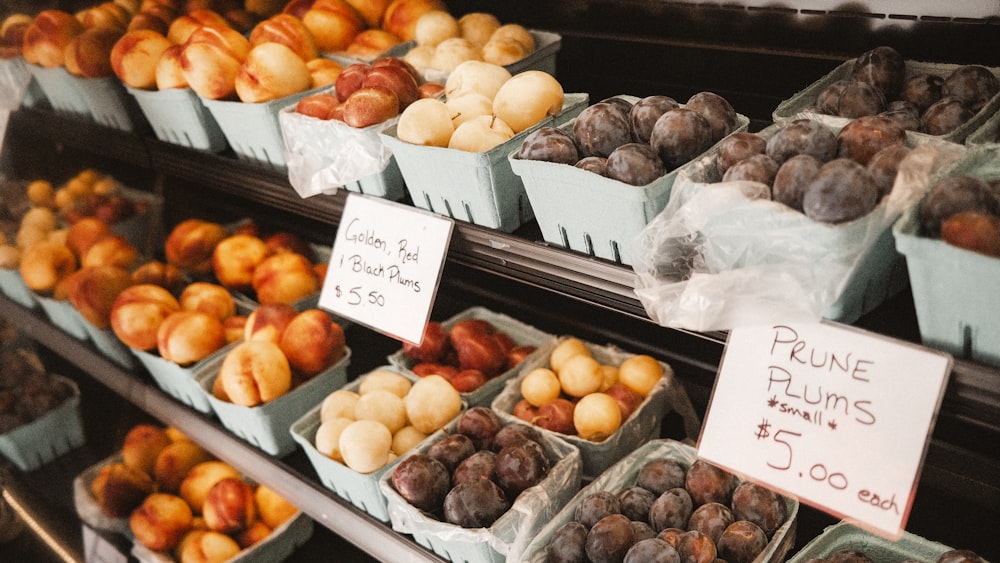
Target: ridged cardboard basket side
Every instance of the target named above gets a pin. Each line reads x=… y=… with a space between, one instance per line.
x=177 y=116
x=62 y=314
x=62 y=90
x=12 y=285
x=108 y=102
x=47 y=437
x=179 y=381
x=847 y=536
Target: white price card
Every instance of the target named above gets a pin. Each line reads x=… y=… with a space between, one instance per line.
x=834 y=415
x=385 y=266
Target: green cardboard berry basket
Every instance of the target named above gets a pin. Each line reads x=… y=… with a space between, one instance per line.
x=62 y=314
x=108 y=102
x=360 y=489
x=478 y=188
x=987 y=133
x=267 y=426
x=844 y=535
x=590 y=213
x=623 y=475
x=642 y=425
x=522 y=333
x=47 y=437
x=108 y=344
x=61 y=89
x=179 y=381
x=510 y=534
x=951 y=286
x=802 y=103
x=12 y=285
x=177 y=116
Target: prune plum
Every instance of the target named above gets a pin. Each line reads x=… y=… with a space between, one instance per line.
x=512 y=434
x=973 y=84
x=711 y=519
x=960 y=556
x=922 y=90
x=645 y=112
x=883 y=67
x=756 y=168
x=623 y=103
x=828 y=100
x=802 y=136
x=717 y=110
x=680 y=135
x=550 y=144
x=451 y=450
x=973 y=231
x=671 y=509
x=884 y=166
x=906 y=114
x=422 y=480
x=841 y=191
x=672 y=536
x=481 y=424
x=652 y=550
x=568 y=544
x=696 y=547
x=861 y=138
x=475 y=504
x=601 y=128
x=849 y=555
x=642 y=530
x=741 y=542
x=954 y=194
x=660 y=475
x=736 y=147
x=709 y=483
x=792 y=179
x=521 y=466
x=595 y=506
x=480 y=465
x=609 y=539
x=636 y=164
x=859 y=99
x=635 y=501
x=759 y=505
x=944 y=116
x=595 y=164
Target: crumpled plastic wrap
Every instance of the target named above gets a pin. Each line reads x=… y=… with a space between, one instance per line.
x=719 y=256
x=14 y=80
x=323 y=155
x=86 y=505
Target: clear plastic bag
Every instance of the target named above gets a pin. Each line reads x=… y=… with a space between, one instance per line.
x=723 y=255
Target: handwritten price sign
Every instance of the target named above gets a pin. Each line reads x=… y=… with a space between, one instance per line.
x=385 y=266
x=839 y=417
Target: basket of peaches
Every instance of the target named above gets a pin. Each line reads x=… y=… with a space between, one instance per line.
x=178 y=502
x=476 y=350
x=603 y=400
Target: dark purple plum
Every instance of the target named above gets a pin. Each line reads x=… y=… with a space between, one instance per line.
x=680 y=135
x=883 y=67
x=717 y=110
x=944 y=116
x=595 y=506
x=601 y=128
x=884 y=166
x=861 y=138
x=696 y=547
x=802 y=136
x=906 y=114
x=849 y=555
x=620 y=101
x=973 y=84
x=480 y=465
x=922 y=90
x=954 y=194
x=741 y=542
x=512 y=434
x=568 y=544
x=642 y=530
x=660 y=475
x=960 y=556
x=828 y=100
x=481 y=424
x=595 y=164
x=709 y=483
x=755 y=168
x=636 y=164
x=711 y=519
x=521 y=466
x=671 y=510
x=736 y=147
x=842 y=190
x=475 y=504
x=672 y=536
x=451 y=450
x=759 y=505
x=609 y=539
x=792 y=179
x=859 y=99
x=422 y=480
x=652 y=550
x=549 y=144
x=645 y=112
x=635 y=501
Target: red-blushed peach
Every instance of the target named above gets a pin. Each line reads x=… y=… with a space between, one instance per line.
x=45 y=264
x=190 y=245
x=271 y=71
x=401 y=16
x=88 y=55
x=234 y=327
x=45 y=40
x=111 y=250
x=371 y=11
x=208 y=297
x=372 y=42
x=201 y=478
x=174 y=462
x=160 y=521
x=185 y=337
x=229 y=505
x=92 y=291
x=285 y=277
x=137 y=313
x=135 y=55
x=333 y=23
x=324 y=72
x=211 y=59
x=235 y=258
x=169 y=72
x=159 y=273
x=255 y=372
x=253 y=534
x=119 y=488
x=268 y=321
x=312 y=341
x=289 y=31
x=274 y=509
x=182 y=26
x=206 y=546
x=141 y=446
x=84 y=232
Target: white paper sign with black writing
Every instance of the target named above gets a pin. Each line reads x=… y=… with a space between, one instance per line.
x=835 y=415
x=385 y=265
